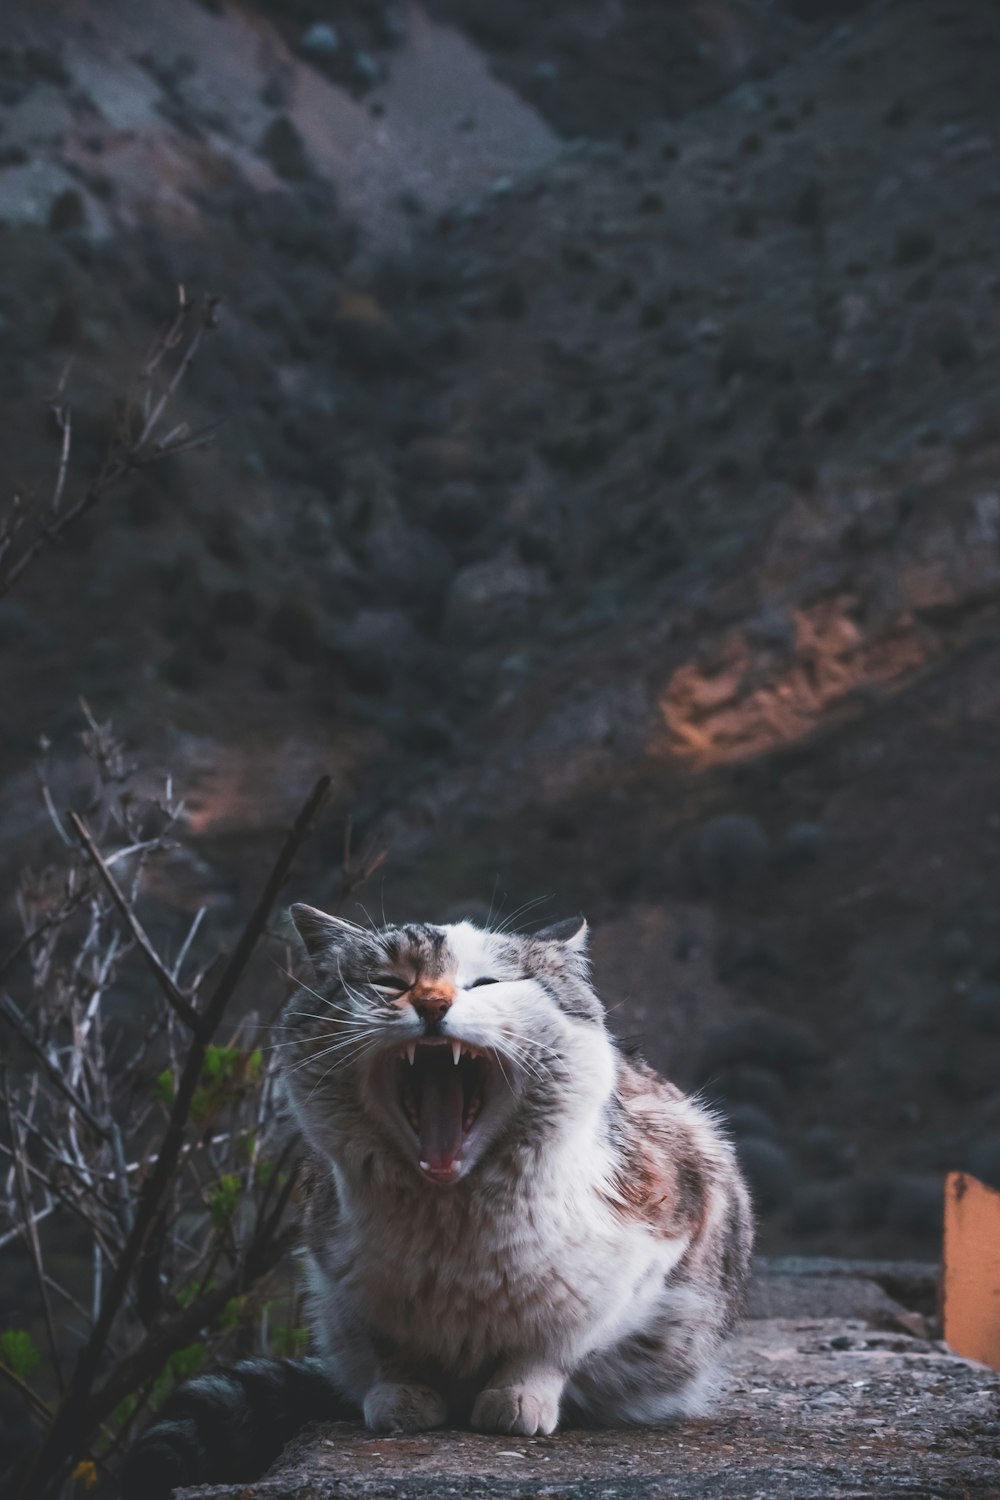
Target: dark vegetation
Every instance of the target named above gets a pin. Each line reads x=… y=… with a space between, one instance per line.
x=163 y=1151
x=139 y=1118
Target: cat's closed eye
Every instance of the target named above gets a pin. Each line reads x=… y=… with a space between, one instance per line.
x=477 y=982
x=389 y=982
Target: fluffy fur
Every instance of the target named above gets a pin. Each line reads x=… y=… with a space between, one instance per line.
x=549 y=1233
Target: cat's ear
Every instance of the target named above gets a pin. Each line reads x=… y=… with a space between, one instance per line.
x=321 y=934
x=573 y=934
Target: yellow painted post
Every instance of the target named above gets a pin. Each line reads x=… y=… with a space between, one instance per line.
x=971 y=1283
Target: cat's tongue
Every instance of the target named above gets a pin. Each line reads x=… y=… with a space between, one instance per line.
x=442 y=1101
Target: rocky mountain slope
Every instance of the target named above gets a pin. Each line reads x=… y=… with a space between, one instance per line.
x=608 y=492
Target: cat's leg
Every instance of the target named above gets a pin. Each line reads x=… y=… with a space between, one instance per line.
x=404 y=1406
x=400 y=1398
x=522 y=1397
x=394 y=1392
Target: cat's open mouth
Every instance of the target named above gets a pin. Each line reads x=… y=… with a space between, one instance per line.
x=442 y=1086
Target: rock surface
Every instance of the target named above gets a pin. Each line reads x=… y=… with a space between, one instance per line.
x=817 y=1408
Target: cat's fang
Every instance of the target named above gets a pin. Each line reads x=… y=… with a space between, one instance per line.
x=456 y=1051
x=411 y=1052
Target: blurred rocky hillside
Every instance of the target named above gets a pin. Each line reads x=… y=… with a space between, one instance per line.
x=607 y=492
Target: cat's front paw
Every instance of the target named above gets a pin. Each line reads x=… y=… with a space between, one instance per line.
x=404 y=1408
x=525 y=1409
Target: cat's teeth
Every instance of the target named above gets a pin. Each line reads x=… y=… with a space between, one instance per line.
x=411 y=1052
x=456 y=1052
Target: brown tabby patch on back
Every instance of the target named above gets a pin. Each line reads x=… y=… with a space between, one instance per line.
x=662 y=1177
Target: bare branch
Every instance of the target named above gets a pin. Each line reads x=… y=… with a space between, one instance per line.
x=127 y=451
x=80 y=1408
x=353 y=874
x=186 y=945
x=174 y=996
x=25 y=1392
x=24 y=1197
x=24 y=1226
x=54 y=919
x=10 y=1010
x=164 y=1340
x=64 y=1198
x=64 y=421
x=170 y=341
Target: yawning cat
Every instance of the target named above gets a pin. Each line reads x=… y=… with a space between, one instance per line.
x=510 y=1223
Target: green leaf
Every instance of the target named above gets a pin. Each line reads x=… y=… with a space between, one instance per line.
x=224 y=1198
x=201 y=1104
x=219 y=1063
x=18 y=1353
x=186 y=1295
x=184 y=1363
x=288 y=1341
x=163 y=1088
x=181 y=1365
x=223 y=1071
x=254 y=1063
x=123 y=1411
x=231 y=1313
x=162 y=1386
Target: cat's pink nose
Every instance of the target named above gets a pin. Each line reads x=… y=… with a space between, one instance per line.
x=431 y=1001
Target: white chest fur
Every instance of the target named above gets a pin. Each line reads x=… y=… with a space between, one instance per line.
x=464 y=1279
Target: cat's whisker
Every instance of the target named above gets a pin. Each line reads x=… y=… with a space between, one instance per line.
x=345 y=1022
x=520 y=911
x=522 y=1064
x=298 y=1041
x=503 y=1071
x=340 y=1046
x=532 y=1045
x=493 y=898
x=376 y=1006
x=532 y=1042
x=502 y=921
x=360 y=1048
x=323 y=999
x=369 y=1002
x=524 y=1054
x=303 y=1039
x=362 y=1051
x=521 y=1059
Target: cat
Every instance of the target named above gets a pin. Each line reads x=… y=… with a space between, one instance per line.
x=510 y=1223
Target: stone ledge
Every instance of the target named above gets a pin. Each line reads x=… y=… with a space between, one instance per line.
x=817 y=1408
x=887 y=1294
